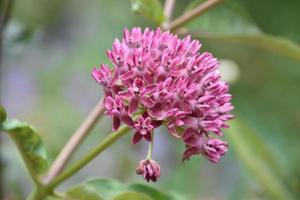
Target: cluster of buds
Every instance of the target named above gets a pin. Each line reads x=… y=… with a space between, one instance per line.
x=158 y=79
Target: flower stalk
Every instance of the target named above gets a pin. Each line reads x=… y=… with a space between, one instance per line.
x=168 y=10
x=104 y=144
x=149 y=154
x=190 y=15
x=79 y=135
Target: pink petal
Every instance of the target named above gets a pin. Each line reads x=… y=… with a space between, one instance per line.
x=156 y=123
x=127 y=75
x=148 y=137
x=114 y=79
x=187 y=133
x=125 y=94
x=150 y=88
x=116 y=123
x=147 y=101
x=127 y=120
x=95 y=75
x=148 y=78
x=133 y=106
x=173 y=131
x=136 y=138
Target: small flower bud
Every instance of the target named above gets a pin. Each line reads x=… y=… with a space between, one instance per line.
x=214 y=149
x=150 y=170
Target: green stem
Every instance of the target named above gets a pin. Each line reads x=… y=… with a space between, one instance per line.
x=110 y=139
x=192 y=14
x=149 y=154
x=33 y=195
x=39 y=193
x=74 y=142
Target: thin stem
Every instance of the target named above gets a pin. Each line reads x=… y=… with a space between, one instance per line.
x=110 y=139
x=190 y=15
x=149 y=154
x=70 y=147
x=168 y=10
x=40 y=193
x=33 y=195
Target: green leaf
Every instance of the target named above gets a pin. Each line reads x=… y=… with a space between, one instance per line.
x=103 y=188
x=274 y=44
x=257 y=158
x=29 y=144
x=152 y=192
x=106 y=188
x=111 y=190
x=2 y=114
x=83 y=193
x=266 y=15
x=151 y=9
x=132 y=196
x=226 y=18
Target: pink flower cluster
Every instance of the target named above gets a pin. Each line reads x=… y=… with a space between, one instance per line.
x=162 y=79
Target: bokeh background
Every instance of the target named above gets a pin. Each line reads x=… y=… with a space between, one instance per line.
x=50 y=47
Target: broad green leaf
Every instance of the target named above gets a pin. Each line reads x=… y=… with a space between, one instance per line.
x=83 y=193
x=29 y=144
x=103 y=188
x=60 y=198
x=255 y=155
x=275 y=17
x=227 y=18
x=151 y=9
x=274 y=44
x=2 y=114
x=132 y=196
x=112 y=189
x=106 y=188
x=152 y=192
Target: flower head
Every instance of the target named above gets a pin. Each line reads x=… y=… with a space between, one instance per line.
x=158 y=78
x=149 y=169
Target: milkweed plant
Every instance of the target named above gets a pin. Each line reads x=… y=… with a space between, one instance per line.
x=155 y=78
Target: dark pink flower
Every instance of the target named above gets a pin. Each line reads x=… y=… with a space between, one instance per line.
x=149 y=169
x=103 y=75
x=214 y=149
x=117 y=110
x=137 y=93
x=143 y=127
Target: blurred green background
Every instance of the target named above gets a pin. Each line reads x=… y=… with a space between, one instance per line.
x=50 y=47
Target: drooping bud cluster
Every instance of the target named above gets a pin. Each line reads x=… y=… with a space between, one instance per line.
x=162 y=79
x=149 y=169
